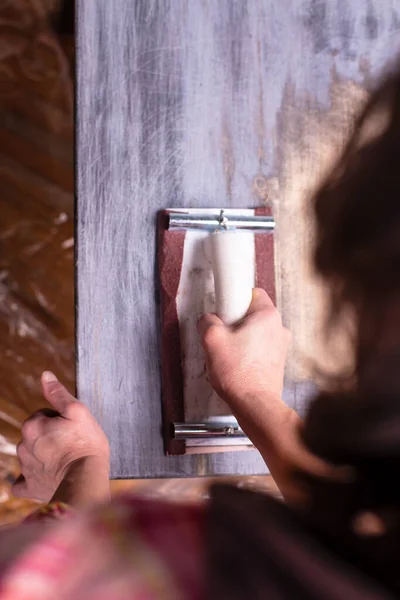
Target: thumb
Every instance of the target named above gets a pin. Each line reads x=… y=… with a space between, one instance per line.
x=260 y=300
x=19 y=488
x=206 y=322
x=56 y=393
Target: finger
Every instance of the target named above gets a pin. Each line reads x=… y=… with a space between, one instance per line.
x=56 y=393
x=206 y=322
x=32 y=428
x=22 y=452
x=260 y=301
x=28 y=463
x=20 y=488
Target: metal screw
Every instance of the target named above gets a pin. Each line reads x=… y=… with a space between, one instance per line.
x=223 y=220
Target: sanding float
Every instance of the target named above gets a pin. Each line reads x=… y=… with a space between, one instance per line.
x=209 y=261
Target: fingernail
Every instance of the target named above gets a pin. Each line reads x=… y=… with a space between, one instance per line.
x=49 y=377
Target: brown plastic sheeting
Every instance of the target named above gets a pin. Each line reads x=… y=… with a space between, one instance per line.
x=36 y=221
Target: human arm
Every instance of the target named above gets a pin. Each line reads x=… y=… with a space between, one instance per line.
x=245 y=364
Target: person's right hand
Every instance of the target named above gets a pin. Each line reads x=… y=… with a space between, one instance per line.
x=245 y=365
x=246 y=360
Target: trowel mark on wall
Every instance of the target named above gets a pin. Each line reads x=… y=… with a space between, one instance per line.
x=260 y=126
x=371 y=22
x=265 y=190
x=308 y=41
x=315 y=21
x=395 y=23
x=227 y=157
x=311 y=140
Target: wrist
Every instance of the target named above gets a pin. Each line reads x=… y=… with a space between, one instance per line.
x=86 y=465
x=274 y=433
x=85 y=482
x=266 y=420
x=256 y=409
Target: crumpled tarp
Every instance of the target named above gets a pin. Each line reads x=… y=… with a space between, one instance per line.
x=36 y=221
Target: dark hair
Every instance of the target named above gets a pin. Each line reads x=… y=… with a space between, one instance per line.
x=357 y=211
x=358 y=254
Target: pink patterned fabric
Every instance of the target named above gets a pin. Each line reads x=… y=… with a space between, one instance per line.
x=132 y=549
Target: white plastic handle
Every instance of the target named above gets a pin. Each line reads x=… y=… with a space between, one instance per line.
x=233 y=267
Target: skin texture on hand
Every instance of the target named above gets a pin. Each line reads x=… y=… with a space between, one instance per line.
x=86 y=482
x=61 y=444
x=245 y=365
x=247 y=359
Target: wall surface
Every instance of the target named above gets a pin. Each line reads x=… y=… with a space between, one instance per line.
x=204 y=103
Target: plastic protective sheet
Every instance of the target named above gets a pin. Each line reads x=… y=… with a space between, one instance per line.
x=36 y=224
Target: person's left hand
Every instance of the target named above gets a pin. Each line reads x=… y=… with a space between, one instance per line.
x=52 y=441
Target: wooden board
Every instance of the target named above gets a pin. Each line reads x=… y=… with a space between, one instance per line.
x=202 y=103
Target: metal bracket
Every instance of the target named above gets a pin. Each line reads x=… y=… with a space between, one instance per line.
x=205 y=430
x=218 y=219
